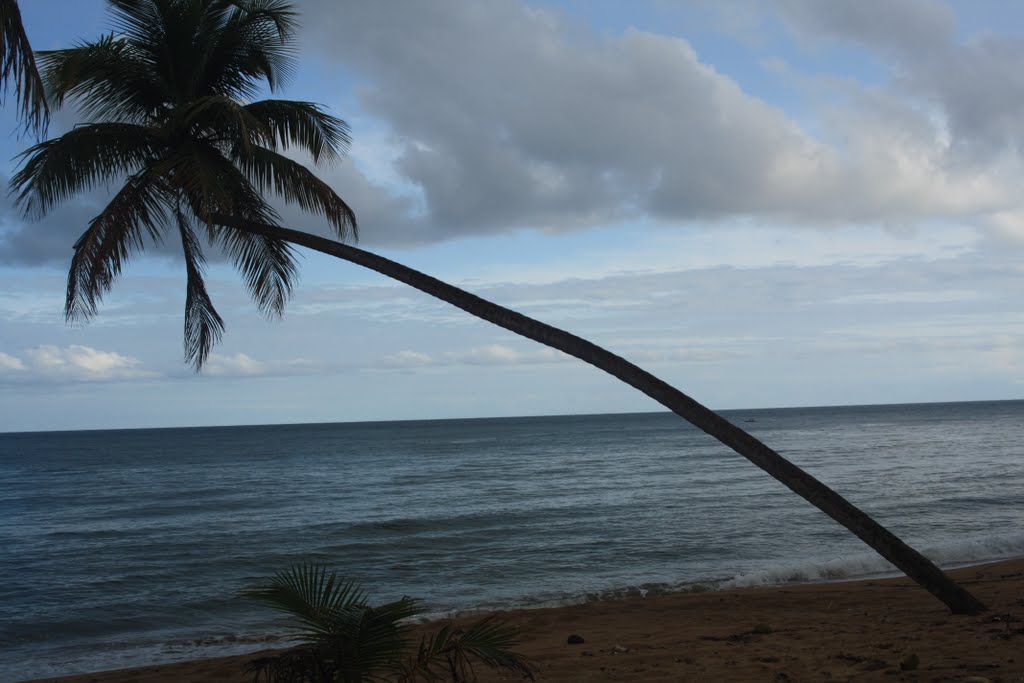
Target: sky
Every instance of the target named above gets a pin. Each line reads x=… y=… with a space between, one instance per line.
x=765 y=203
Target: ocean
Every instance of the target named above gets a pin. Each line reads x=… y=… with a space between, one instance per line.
x=123 y=548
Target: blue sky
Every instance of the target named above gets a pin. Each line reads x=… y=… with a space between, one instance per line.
x=778 y=203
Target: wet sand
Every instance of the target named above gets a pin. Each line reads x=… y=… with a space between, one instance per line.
x=854 y=631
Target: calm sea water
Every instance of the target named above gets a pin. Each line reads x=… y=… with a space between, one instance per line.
x=120 y=548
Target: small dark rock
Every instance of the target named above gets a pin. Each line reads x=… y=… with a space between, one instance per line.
x=586 y=653
x=910 y=662
x=996 y=618
x=575 y=639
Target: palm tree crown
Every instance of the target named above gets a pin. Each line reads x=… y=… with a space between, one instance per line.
x=167 y=99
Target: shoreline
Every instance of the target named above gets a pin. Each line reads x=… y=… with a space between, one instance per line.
x=838 y=630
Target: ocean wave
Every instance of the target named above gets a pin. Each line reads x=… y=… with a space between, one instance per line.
x=870 y=565
x=991 y=548
x=279 y=639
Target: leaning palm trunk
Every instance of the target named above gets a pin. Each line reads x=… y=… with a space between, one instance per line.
x=881 y=540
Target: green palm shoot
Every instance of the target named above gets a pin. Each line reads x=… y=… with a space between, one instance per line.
x=345 y=639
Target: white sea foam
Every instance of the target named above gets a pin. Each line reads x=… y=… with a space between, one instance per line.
x=868 y=565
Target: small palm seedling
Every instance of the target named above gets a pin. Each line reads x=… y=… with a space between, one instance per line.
x=346 y=640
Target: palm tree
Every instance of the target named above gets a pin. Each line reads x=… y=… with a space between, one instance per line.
x=165 y=97
x=18 y=63
x=346 y=639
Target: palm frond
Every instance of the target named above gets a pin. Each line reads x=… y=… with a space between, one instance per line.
x=140 y=21
x=268 y=266
x=347 y=639
x=138 y=210
x=207 y=47
x=212 y=186
x=270 y=171
x=430 y=661
x=449 y=653
x=374 y=638
x=110 y=79
x=303 y=125
x=319 y=602
x=184 y=42
x=203 y=325
x=208 y=182
x=490 y=641
x=297 y=665
x=253 y=43
x=221 y=122
x=280 y=14
x=88 y=155
x=18 y=63
x=344 y=638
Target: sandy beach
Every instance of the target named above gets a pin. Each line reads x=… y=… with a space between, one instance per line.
x=853 y=631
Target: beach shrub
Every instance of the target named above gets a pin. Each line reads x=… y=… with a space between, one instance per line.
x=345 y=639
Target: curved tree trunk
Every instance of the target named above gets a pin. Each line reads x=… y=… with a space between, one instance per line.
x=884 y=542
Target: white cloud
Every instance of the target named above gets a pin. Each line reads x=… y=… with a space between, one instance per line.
x=10 y=363
x=893 y=26
x=407 y=359
x=497 y=354
x=244 y=365
x=239 y=364
x=74 y=363
x=972 y=84
x=77 y=363
x=1009 y=225
x=1005 y=353
x=491 y=354
x=910 y=297
x=506 y=115
x=695 y=354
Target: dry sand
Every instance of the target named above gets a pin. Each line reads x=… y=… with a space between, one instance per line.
x=856 y=631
